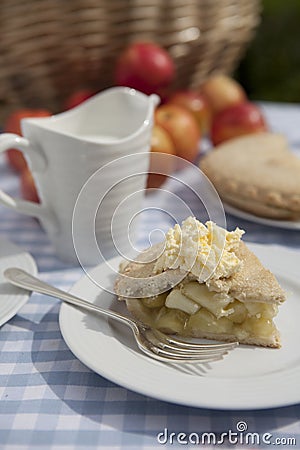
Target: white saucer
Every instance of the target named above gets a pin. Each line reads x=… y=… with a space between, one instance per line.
x=12 y=298
x=248 y=378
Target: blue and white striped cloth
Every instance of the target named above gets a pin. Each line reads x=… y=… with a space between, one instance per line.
x=50 y=400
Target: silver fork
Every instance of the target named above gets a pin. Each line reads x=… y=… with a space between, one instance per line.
x=152 y=342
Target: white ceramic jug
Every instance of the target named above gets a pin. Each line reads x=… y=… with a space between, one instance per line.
x=66 y=150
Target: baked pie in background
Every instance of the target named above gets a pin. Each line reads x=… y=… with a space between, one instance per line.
x=256 y=173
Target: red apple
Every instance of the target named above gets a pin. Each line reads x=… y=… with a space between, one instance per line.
x=237 y=120
x=13 y=125
x=146 y=67
x=28 y=189
x=16 y=159
x=222 y=91
x=77 y=97
x=161 y=163
x=196 y=103
x=182 y=127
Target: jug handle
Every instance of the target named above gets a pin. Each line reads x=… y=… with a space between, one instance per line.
x=38 y=163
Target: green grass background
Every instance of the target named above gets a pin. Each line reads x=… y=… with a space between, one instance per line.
x=270 y=69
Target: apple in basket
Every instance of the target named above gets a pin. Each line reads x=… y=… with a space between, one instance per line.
x=161 y=164
x=237 y=120
x=182 y=128
x=145 y=66
x=222 y=91
x=15 y=158
x=196 y=103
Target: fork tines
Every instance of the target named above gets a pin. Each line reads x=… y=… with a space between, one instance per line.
x=175 y=349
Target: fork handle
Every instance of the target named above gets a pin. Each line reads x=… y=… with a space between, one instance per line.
x=23 y=279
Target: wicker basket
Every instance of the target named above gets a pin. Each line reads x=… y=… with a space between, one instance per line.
x=50 y=48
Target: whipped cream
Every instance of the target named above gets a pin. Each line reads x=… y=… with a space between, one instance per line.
x=204 y=251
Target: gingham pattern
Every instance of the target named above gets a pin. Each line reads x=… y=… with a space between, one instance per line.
x=50 y=400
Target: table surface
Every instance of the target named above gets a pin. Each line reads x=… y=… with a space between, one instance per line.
x=50 y=400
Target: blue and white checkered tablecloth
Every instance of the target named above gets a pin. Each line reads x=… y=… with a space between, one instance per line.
x=50 y=400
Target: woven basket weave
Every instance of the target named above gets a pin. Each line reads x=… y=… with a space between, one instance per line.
x=50 y=48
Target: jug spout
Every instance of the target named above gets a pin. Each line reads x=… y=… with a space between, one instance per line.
x=155 y=100
x=147 y=121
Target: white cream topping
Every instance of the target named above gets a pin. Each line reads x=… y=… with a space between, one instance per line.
x=204 y=251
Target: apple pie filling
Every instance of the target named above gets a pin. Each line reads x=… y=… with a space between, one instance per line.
x=191 y=307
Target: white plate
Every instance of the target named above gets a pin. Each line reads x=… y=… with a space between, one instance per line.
x=287 y=224
x=12 y=298
x=248 y=377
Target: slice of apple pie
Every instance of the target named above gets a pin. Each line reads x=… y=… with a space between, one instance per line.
x=204 y=282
